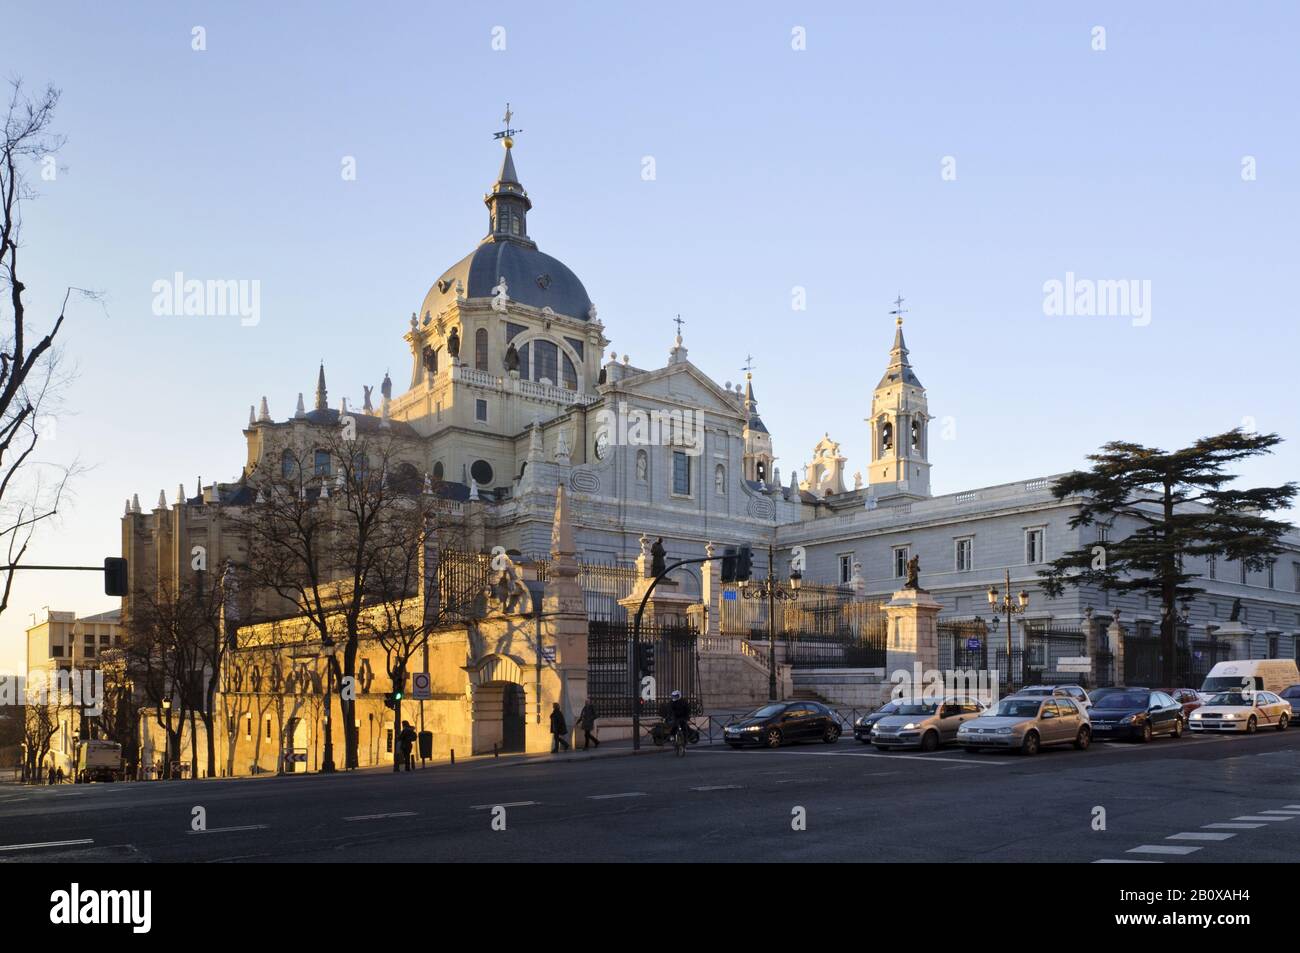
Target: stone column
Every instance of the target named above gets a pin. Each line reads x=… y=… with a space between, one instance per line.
x=1115 y=632
x=913 y=639
x=711 y=594
x=564 y=618
x=1091 y=648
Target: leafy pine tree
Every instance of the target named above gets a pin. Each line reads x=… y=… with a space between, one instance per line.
x=1183 y=506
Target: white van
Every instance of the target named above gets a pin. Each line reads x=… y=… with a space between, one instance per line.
x=1264 y=675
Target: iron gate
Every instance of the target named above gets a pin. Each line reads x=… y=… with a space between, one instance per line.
x=669 y=654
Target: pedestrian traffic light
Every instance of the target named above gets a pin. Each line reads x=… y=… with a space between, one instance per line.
x=115 y=583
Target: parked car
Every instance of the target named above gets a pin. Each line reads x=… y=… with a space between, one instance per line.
x=1244 y=712
x=1077 y=692
x=1189 y=698
x=925 y=725
x=862 y=727
x=1291 y=694
x=1137 y=715
x=1027 y=724
x=1268 y=675
x=775 y=724
x=1099 y=693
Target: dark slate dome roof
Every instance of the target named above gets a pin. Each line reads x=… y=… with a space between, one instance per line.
x=532 y=278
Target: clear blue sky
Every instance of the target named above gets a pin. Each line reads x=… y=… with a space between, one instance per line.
x=775 y=169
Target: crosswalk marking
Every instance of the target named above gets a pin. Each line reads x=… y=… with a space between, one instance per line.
x=718 y=787
x=610 y=797
x=50 y=843
x=376 y=817
x=485 y=807
x=1261 y=817
x=1234 y=827
x=229 y=830
x=1199 y=835
x=1162 y=849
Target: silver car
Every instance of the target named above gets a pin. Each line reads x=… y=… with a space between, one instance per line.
x=1026 y=724
x=924 y=725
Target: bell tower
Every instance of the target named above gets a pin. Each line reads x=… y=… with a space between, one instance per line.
x=899 y=425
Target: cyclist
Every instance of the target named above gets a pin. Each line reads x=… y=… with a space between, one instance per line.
x=678 y=716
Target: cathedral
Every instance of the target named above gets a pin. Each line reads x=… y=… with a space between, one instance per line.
x=513 y=397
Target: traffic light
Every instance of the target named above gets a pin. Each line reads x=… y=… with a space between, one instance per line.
x=399 y=681
x=737 y=563
x=645 y=662
x=115 y=583
x=390 y=700
x=744 y=564
x=729 y=564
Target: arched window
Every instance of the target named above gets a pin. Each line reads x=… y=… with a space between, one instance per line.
x=288 y=464
x=438 y=471
x=523 y=362
x=720 y=479
x=886 y=437
x=570 y=374
x=321 y=463
x=760 y=470
x=405 y=479
x=481 y=349
x=546 y=357
x=916 y=435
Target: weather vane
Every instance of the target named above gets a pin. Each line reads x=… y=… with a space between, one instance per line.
x=748 y=366
x=507 y=135
x=899 y=310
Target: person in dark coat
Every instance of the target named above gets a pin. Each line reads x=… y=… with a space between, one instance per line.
x=407 y=741
x=587 y=718
x=559 y=728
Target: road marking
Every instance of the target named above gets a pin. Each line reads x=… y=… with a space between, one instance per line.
x=488 y=807
x=229 y=830
x=1285 y=813
x=793 y=780
x=1161 y=849
x=891 y=756
x=1199 y=835
x=1119 y=860
x=718 y=787
x=1234 y=827
x=1260 y=817
x=376 y=817
x=50 y=843
x=610 y=797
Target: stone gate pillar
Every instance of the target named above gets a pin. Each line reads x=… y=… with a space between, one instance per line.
x=711 y=594
x=912 y=644
x=1115 y=633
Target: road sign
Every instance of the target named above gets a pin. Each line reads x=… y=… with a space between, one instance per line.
x=548 y=653
x=1074 y=664
x=421 y=686
x=973 y=644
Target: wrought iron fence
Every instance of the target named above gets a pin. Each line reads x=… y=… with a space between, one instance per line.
x=669 y=655
x=1047 y=643
x=822 y=627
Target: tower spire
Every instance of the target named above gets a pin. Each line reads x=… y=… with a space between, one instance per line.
x=322 y=395
x=508 y=202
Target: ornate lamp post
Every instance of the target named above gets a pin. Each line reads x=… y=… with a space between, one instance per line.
x=772 y=590
x=1008 y=606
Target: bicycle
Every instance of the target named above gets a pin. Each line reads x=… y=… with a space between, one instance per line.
x=679 y=742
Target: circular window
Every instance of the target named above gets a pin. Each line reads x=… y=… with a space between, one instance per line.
x=481 y=471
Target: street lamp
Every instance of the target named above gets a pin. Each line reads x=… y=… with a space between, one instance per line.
x=1008 y=606
x=772 y=590
x=167 y=738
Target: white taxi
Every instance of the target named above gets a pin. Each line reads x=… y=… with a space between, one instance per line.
x=1243 y=711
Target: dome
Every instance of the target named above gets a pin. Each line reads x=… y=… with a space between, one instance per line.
x=532 y=278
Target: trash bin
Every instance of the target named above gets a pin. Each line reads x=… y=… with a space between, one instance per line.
x=426 y=745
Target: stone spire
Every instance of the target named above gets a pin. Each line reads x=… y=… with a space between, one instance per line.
x=252 y=415
x=162 y=500
x=322 y=396
x=264 y=413
x=135 y=503
x=301 y=410
x=562 y=545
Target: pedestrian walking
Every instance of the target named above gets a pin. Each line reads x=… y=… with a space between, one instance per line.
x=587 y=718
x=407 y=741
x=559 y=728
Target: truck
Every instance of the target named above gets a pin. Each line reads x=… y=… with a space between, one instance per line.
x=98 y=761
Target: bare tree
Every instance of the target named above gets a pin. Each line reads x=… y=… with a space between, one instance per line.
x=322 y=522
x=30 y=379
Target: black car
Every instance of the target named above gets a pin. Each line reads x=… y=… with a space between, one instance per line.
x=862 y=727
x=1138 y=714
x=779 y=722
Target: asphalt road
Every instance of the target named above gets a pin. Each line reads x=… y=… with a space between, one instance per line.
x=1165 y=802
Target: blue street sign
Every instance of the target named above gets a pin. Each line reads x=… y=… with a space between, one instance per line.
x=973 y=644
